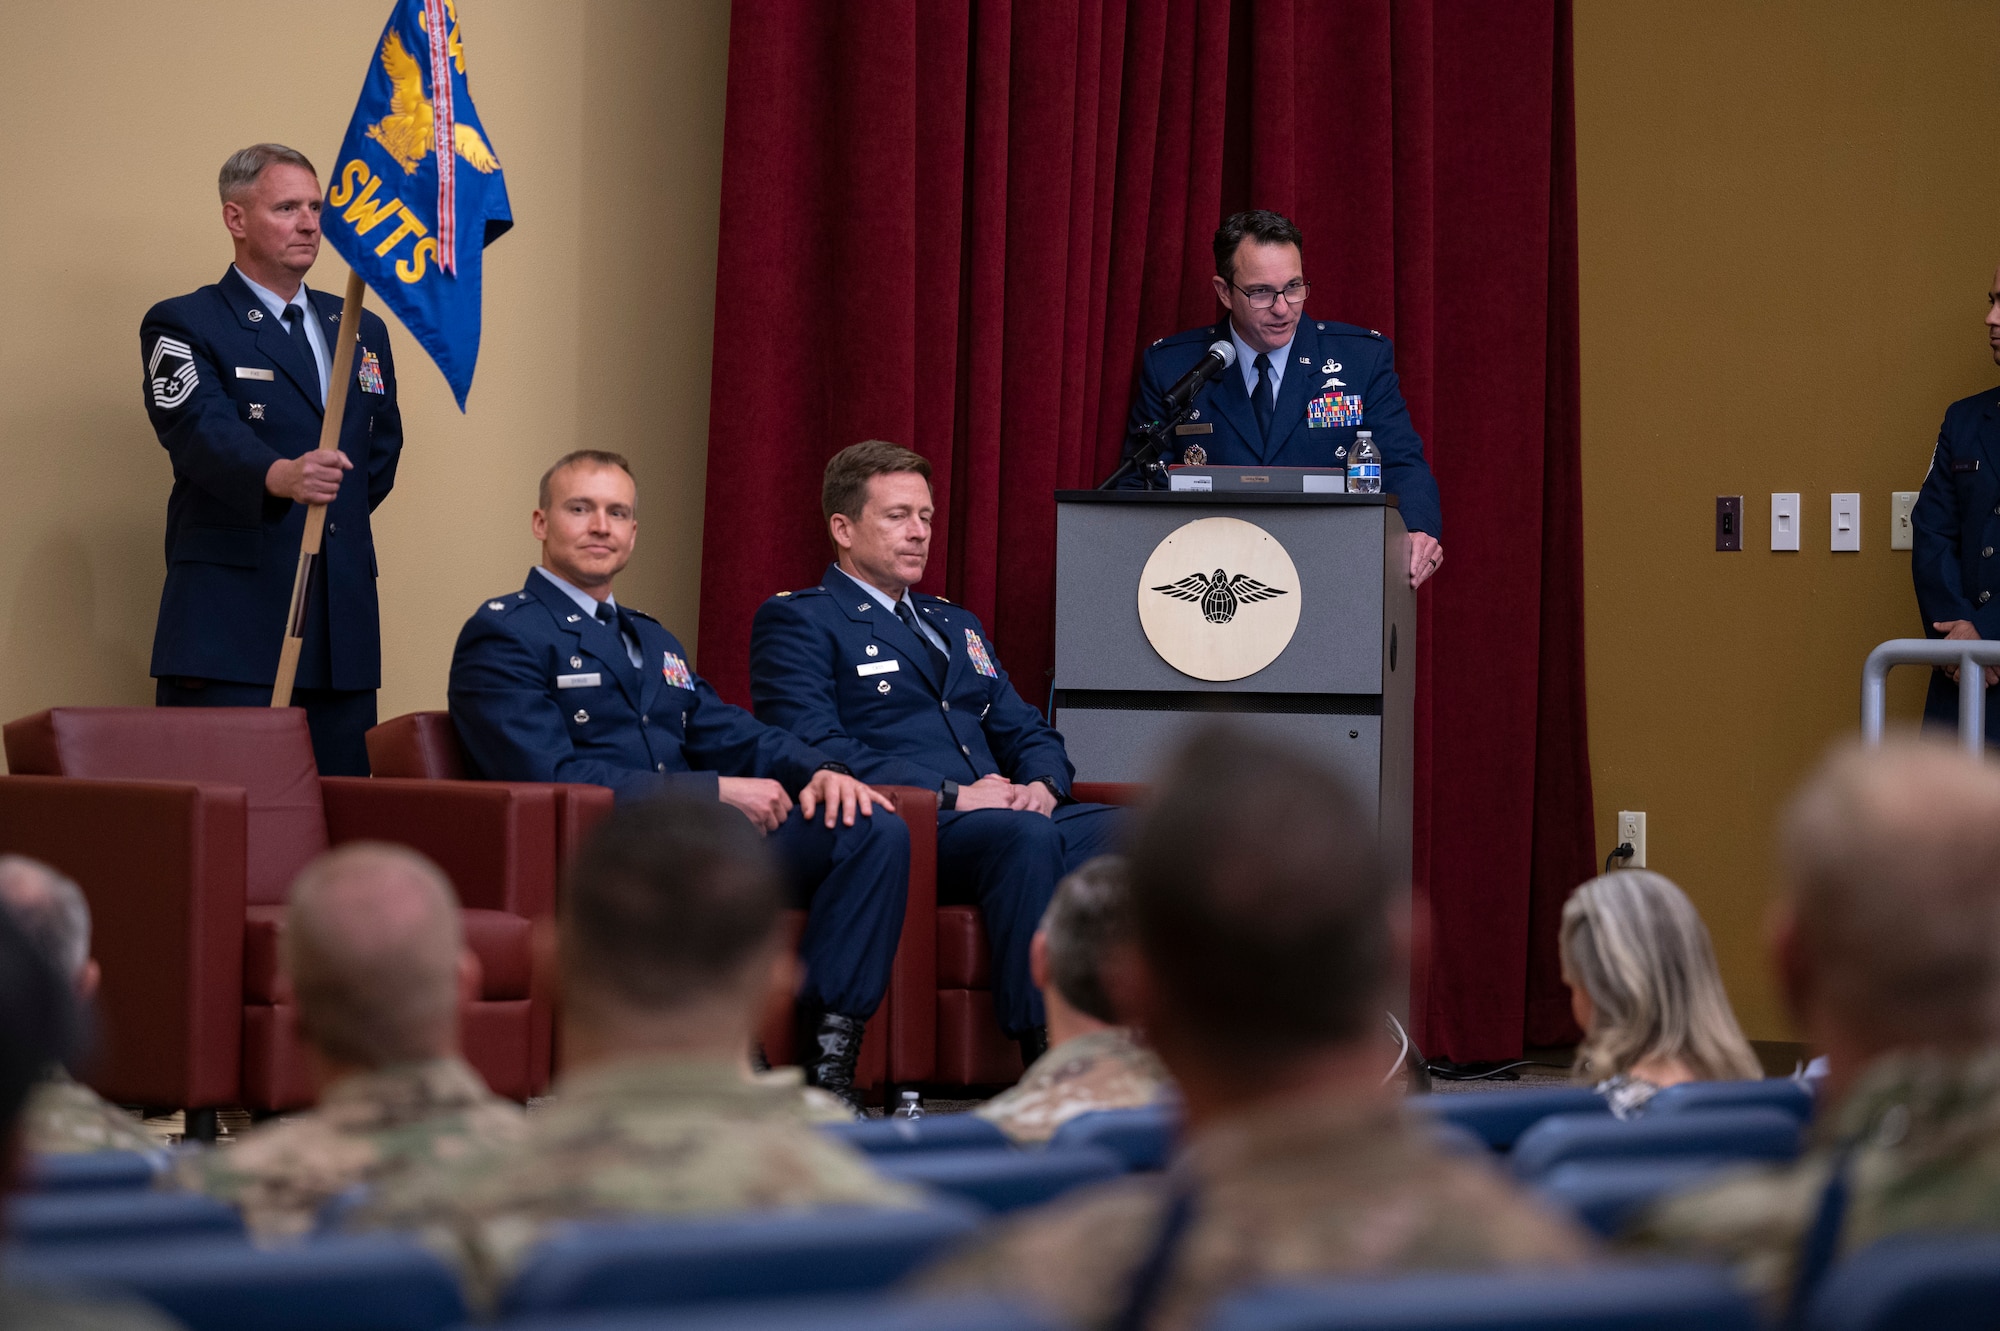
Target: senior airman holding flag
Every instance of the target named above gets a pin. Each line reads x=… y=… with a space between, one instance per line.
x=277 y=403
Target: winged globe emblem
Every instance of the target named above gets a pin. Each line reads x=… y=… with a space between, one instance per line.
x=406 y=132
x=1219 y=596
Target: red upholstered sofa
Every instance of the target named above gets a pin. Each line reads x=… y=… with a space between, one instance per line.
x=424 y=746
x=185 y=827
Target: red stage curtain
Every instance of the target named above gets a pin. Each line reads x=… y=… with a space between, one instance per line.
x=953 y=225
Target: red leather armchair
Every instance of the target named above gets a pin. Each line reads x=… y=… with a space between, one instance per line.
x=424 y=745
x=185 y=827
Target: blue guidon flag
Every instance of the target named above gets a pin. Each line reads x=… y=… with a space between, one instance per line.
x=419 y=191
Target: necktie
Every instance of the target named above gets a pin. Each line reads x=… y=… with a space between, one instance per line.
x=938 y=660
x=1263 y=402
x=295 y=325
x=611 y=618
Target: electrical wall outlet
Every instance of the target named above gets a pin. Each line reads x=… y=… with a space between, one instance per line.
x=1729 y=522
x=1847 y=522
x=1632 y=832
x=1784 y=522
x=1900 y=532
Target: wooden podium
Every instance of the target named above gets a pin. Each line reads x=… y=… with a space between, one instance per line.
x=1317 y=583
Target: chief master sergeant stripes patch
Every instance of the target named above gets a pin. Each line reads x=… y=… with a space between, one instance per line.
x=171 y=391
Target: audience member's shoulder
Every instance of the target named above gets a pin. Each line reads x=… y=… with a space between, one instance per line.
x=31 y=1310
x=1072 y=1256
x=64 y=1117
x=1753 y=1219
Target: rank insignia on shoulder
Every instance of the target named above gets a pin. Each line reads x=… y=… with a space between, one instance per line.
x=975 y=647
x=782 y=595
x=675 y=672
x=370 y=373
x=496 y=605
x=170 y=389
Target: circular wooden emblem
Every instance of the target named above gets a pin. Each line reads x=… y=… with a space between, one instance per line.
x=1219 y=599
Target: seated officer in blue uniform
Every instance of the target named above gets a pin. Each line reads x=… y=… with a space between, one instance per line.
x=236 y=387
x=558 y=682
x=1300 y=388
x=905 y=689
x=1954 y=531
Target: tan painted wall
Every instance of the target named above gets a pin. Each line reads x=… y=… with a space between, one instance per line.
x=114 y=117
x=1788 y=224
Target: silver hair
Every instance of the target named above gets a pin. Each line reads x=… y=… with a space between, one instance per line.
x=50 y=909
x=245 y=165
x=1635 y=944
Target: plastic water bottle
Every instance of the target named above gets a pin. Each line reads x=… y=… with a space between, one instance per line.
x=1364 y=465
x=911 y=1107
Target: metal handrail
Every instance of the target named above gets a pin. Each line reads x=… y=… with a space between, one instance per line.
x=1970 y=656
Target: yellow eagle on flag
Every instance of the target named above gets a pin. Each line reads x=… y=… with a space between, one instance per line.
x=406 y=132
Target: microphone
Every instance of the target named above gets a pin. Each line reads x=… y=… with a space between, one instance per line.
x=1221 y=355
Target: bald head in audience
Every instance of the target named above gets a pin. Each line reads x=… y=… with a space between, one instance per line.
x=373 y=947
x=1888 y=933
x=51 y=911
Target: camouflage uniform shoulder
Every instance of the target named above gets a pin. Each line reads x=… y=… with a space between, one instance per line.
x=65 y=1117
x=1102 y=1070
x=368 y=1129
x=640 y=1137
x=820 y=1106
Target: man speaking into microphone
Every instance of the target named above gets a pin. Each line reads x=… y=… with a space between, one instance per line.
x=1299 y=389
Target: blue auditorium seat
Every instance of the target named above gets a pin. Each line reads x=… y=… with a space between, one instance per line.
x=1913 y=1282
x=1736 y=1134
x=834 y=1314
x=116 y=1215
x=1004 y=1180
x=934 y=1132
x=656 y=1263
x=1500 y=1117
x=1609 y=1298
x=1143 y=1138
x=344 y=1284
x=1607 y=1195
x=88 y=1170
x=1769 y=1093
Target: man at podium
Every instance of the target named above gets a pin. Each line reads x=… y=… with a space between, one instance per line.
x=1300 y=388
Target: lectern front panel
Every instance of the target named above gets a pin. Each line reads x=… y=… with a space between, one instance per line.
x=1102 y=550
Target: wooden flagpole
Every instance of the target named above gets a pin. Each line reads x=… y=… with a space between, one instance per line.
x=329 y=439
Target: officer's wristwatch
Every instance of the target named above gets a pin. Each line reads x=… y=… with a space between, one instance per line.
x=948 y=796
x=1050 y=782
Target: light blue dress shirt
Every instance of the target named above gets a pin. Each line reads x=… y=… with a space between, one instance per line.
x=888 y=603
x=588 y=604
x=1246 y=360
x=315 y=335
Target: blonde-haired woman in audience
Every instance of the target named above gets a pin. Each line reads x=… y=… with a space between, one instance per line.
x=1644 y=986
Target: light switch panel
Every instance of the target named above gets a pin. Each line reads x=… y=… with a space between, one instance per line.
x=1900 y=532
x=1784 y=522
x=1847 y=522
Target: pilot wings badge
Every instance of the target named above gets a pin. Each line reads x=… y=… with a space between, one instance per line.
x=1220 y=596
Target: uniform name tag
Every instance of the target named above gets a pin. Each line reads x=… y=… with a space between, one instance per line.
x=1204 y=428
x=247 y=372
x=589 y=681
x=878 y=667
x=1957 y=467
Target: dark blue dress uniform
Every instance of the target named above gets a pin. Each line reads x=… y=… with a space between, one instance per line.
x=844 y=674
x=540 y=691
x=229 y=393
x=1955 y=541
x=1338 y=379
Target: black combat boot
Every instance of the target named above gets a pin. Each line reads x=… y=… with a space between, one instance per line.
x=1034 y=1043
x=828 y=1045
